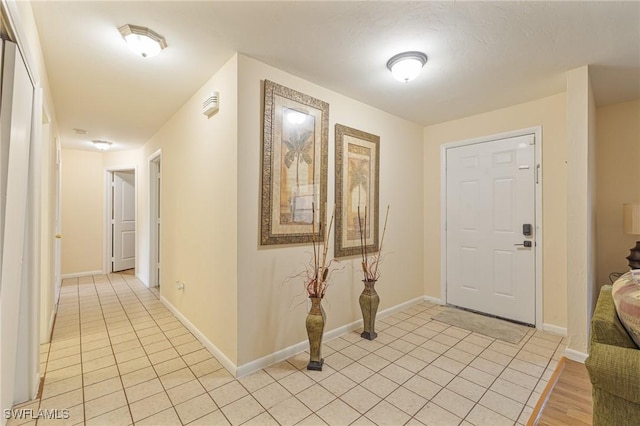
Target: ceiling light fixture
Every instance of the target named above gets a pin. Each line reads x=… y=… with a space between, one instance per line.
x=142 y=40
x=406 y=66
x=102 y=145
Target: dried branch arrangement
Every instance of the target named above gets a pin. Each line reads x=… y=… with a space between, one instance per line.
x=370 y=261
x=318 y=273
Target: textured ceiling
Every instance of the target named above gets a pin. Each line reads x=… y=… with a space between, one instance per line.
x=482 y=55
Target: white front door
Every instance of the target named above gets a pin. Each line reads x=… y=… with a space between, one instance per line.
x=490 y=209
x=124 y=220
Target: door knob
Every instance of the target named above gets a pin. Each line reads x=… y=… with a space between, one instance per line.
x=58 y=236
x=524 y=244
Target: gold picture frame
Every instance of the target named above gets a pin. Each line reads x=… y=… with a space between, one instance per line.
x=294 y=166
x=357 y=185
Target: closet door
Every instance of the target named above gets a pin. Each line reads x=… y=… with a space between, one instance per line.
x=16 y=290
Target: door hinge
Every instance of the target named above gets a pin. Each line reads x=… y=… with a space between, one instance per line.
x=537 y=173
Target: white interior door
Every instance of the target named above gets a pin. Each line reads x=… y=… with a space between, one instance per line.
x=124 y=220
x=490 y=198
x=57 y=247
x=154 y=223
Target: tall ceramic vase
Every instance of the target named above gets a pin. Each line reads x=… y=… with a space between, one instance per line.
x=315 y=329
x=369 y=301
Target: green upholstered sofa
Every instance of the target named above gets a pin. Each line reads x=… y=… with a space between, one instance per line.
x=614 y=367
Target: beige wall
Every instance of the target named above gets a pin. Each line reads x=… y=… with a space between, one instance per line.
x=271 y=309
x=581 y=199
x=82 y=211
x=198 y=195
x=550 y=114
x=32 y=51
x=618 y=174
x=82 y=206
x=121 y=160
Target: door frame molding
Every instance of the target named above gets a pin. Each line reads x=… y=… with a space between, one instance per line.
x=108 y=240
x=537 y=133
x=153 y=193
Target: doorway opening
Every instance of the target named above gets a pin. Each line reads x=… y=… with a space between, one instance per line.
x=154 y=219
x=121 y=222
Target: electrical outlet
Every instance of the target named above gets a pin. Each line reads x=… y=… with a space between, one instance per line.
x=180 y=285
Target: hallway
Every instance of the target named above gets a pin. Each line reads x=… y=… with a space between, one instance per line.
x=119 y=357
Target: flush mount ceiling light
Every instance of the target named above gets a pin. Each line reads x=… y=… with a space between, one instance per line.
x=142 y=40
x=406 y=66
x=101 y=145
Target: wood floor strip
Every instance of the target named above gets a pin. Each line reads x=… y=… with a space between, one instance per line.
x=566 y=400
x=537 y=411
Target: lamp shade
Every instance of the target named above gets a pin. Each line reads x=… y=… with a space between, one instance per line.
x=631 y=218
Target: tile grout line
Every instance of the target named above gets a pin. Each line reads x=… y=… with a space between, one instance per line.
x=165 y=390
x=493 y=340
x=84 y=414
x=108 y=278
x=502 y=371
x=179 y=356
x=430 y=400
x=133 y=302
x=115 y=359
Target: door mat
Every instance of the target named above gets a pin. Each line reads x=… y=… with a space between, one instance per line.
x=488 y=326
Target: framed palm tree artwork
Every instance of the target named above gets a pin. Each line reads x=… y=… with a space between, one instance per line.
x=294 y=166
x=357 y=191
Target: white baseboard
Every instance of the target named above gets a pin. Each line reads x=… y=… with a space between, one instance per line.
x=402 y=306
x=554 y=329
x=575 y=355
x=433 y=300
x=292 y=350
x=81 y=274
x=281 y=355
x=226 y=362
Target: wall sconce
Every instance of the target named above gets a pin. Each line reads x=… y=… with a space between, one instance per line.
x=631 y=213
x=406 y=66
x=142 y=40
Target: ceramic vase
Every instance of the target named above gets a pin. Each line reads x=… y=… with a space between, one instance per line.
x=315 y=329
x=369 y=301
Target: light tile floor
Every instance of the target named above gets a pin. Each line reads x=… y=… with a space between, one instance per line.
x=119 y=357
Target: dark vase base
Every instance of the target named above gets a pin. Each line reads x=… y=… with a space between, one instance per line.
x=315 y=365
x=369 y=336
